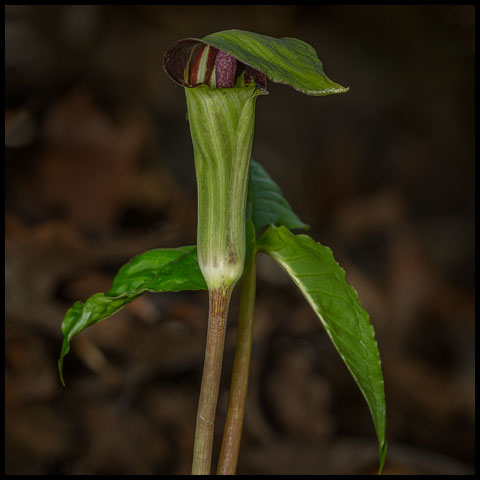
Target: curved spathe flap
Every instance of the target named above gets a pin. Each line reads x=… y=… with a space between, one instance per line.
x=192 y=62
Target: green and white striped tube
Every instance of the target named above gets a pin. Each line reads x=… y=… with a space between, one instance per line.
x=222 y=124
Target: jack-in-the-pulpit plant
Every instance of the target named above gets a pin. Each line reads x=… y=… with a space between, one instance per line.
x=223 y=75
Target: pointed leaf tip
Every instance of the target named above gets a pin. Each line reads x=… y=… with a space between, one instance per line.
x=322 y=281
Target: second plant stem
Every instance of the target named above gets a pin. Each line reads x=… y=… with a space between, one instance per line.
x=232 y=435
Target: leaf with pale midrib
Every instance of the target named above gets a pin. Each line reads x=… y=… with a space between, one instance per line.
x=322 y=282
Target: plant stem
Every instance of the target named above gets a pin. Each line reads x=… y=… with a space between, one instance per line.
x=219 y=300
x=227 y=463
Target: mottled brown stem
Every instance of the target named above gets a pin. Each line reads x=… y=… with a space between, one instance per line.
x=227 y=464
x=219 y=300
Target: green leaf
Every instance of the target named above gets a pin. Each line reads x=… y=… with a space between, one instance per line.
x=159 y=270
x=322 y=282
x=283 y=60
x=266 y=204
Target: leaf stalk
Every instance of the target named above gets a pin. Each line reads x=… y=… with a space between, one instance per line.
x=227 y=464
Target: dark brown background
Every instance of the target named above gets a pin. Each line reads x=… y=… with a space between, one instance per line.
x=99 y=167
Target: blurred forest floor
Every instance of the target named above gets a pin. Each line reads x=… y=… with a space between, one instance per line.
x=99 y=168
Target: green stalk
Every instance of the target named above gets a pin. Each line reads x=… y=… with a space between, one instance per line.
x=227 y=464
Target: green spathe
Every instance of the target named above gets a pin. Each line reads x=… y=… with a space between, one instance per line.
x=222 y=125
